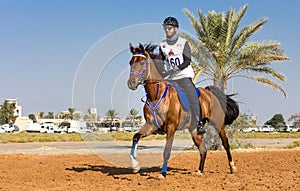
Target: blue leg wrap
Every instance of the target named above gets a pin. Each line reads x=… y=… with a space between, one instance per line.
x=164 y=168
x=132 y=152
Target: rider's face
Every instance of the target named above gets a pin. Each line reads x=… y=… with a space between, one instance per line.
x=170 y=30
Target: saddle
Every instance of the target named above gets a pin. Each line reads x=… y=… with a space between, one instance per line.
x=183 y=97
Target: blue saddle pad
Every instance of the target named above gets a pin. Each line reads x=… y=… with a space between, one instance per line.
x=183 y=97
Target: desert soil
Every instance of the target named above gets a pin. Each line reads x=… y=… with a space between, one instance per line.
x=268 y=169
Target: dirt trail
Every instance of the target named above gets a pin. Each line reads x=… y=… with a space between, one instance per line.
x=257 y=170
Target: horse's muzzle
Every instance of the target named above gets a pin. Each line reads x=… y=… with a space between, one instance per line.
x=132 y=84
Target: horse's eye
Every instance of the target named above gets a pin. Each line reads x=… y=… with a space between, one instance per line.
x=141 y=63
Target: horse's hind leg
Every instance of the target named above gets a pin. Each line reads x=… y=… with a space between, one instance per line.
x=198 y=140
x=226 y=146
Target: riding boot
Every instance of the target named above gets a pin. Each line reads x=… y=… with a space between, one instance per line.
x=200 y=128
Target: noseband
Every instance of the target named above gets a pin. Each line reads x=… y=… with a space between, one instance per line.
x=142 y=75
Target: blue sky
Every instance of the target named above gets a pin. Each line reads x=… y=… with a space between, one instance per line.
x=44 y=43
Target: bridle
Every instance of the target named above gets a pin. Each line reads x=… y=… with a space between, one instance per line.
x=152 y=104
x=146 y=68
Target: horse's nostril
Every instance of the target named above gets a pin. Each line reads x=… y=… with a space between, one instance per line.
x=131 y=85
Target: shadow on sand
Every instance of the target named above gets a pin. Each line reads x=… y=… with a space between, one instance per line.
x=115 y=172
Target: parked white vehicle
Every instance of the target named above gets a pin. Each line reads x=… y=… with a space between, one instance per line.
x=48 y=128
x=289 y=128
x=250 y=129
x=60 y=129
x=9 y=128
x=33 y=127
x=128 y=128
x=2 y=130
x=85 y=130
x=79 y=130
x=266 y=128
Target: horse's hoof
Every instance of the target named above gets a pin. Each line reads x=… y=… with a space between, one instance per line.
x=161 y=176
x=136 y=169
x=198 y=173
x=233 y=170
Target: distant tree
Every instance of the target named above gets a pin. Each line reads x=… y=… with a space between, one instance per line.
x=41 y=114
x=89 y=111
x=87 y=117
x=111 y=114
x=276 y=121
x=50 y=115
x=242 y=122
x=139 y=118
x=71 y=111
x=32 y=117
x=77 y=116
x=7 y=113
x=133 y=114
x=295 y=119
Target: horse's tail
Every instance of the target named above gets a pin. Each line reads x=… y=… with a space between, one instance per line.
x=229 y=106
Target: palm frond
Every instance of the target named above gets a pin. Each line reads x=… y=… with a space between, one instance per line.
x=269 y=71
x=195 y=23
x=268 y=82
x=239 y=40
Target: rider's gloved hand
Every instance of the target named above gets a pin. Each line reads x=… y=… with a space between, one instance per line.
x=173 y=71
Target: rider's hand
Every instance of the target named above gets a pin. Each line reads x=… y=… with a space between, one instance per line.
x=173 y=71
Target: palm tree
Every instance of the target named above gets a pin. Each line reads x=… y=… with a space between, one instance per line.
x=225 y=53
x=32 y=117
x=133 y=116
x=41 y=114
x=50 y=115
x=295 y=119
x=7 y=113
x=71 y=111
x=111 y=114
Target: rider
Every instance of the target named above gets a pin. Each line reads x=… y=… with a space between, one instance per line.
x=176 y=53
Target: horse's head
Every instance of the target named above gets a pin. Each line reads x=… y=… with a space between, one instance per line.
x=139 y=66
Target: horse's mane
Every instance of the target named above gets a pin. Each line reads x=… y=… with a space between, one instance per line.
x=149 y=47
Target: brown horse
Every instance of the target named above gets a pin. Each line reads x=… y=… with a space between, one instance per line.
x=163 y=110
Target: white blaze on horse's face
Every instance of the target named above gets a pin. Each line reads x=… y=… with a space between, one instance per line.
x=137 y=70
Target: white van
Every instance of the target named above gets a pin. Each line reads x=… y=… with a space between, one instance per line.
x=266 y=128
x=8 y=128
x=48 y=128
x=33 y=127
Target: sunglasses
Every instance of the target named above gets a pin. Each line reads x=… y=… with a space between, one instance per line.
x=168 y=28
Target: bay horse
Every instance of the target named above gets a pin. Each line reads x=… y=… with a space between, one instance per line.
x=163 y=110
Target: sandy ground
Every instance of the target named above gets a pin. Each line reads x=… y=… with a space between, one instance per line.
x=257 y=170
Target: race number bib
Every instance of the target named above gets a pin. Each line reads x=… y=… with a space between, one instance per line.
x=175 y=60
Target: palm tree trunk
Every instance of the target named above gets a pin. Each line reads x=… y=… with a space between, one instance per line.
x=220 y=82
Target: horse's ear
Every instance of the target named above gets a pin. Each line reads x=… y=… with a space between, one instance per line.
x=141 y=47
x=131 y=48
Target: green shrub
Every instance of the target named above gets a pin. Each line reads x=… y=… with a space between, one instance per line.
x=295 y=144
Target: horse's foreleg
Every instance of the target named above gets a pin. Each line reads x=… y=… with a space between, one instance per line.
x=226 y=146
x=167 y=154
x=135 y=165
x=146 y=130
x=198 y=140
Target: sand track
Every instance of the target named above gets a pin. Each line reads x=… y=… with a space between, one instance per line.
x=257 y=170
